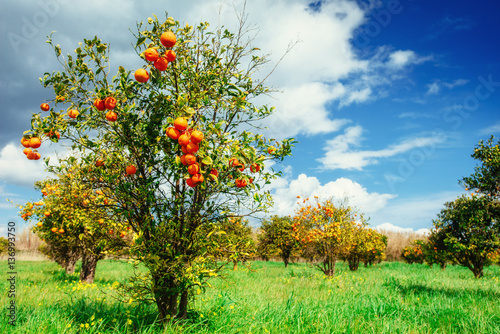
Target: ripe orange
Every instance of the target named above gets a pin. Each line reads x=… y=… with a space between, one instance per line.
x=101 y=221
x=111 y=116
x=61 y=231
x=141 y=75
x=197 y=178
x=255 y=168
x=190 y=183
x=110 y=103
x=161 y=64
x=197 y=136
x=131 y=170
x=60 y=98
x=46 y=213
x=45 y=106
x=214 y=172
x=173 y=133
x=184 y=150
x=35 y=142
x=180 y=123
x=26 y=151
x=170 y=55
x=168 y=39
x=271 y=149
x=233 y=162
x=37 y=156
x=192 y=147
x=151 y=54
x=183 y=139
x=73 y=113
x=242 y=167
x=190 y=159
x=99 y=104
x=39 y=224
x=194 y=169
x=54 y=229
x=99 y=163
x=183 y=160
x=25 y=142
x=240 y=183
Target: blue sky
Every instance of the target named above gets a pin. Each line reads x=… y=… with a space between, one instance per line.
x=386 y=98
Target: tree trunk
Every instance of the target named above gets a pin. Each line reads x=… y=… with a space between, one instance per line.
x=70 y=266
x=285 y=259
x=89 y=264
x=353 y=264
x=478 y=271
x=183 y=304
x=235 y=265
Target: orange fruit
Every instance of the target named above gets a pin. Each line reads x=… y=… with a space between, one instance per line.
x=183 y=139
x=99 y=163
x=99 y=104
x=151 y=54
x=39 y=224
x=168 y=39
x=45 y=106
x=190 y=183
x=73 y=113
x=54 y=229
x=111 y=116
x=61 y=231
x=271 y=149
x=27 y=150
x=242 y=167
x=37 y=156
x=197 y=136
x=183 y=160
x=240 y=183
x=214 y=172
x=197 y=178
x=192 y=147
x=110 y=103
x=180 y=123
x=173 y=133
x=233 y=162
x=25 y=142
x=190 y=158
x=131 y=170
x=141 y=75
x=194 y=169
x=35 y=142
x=161 y=64
x=46 y=213
x=60 y=98
x=101 y=221
x=184 y=150
x=170 y=55
x=255 y=168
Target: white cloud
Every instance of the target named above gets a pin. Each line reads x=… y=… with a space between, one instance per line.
x=432 y=89
x=490 y=130
x=339 y=154
x=285 y=192
x=16 y=169
x=394 y=228
x=455 y=83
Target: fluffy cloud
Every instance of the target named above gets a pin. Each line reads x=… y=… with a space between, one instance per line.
x=16 y=169
x=340 y=155
x=286 y=190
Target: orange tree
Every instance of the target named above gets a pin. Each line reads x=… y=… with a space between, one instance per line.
x=276 y=238
x=435 y=250
x=74 y=222
x=377 y=245
x=325 y=231
x=231 y=241
x=414 y=252
x=471 y=229
x=172 y=143
x=366 y=245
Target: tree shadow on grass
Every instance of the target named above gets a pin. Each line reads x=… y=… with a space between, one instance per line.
x=412 y=288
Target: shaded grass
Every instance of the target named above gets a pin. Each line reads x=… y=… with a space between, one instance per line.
x=267 y=298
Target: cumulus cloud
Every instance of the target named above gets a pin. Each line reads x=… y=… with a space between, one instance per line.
x=394 y=228
x=286 y=190
x=490 y=130
x=340 y=155
x=16 y=169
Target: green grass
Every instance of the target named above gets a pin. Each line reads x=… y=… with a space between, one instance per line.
x=267 y=298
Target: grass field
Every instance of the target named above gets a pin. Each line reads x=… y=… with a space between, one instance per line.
x=267 y=298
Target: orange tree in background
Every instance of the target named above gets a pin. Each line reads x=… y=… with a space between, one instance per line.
x=326 y=231
x=74 y=222
x=366 y=245
x=276 y=238
x=171 y=142
x=413 y=253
